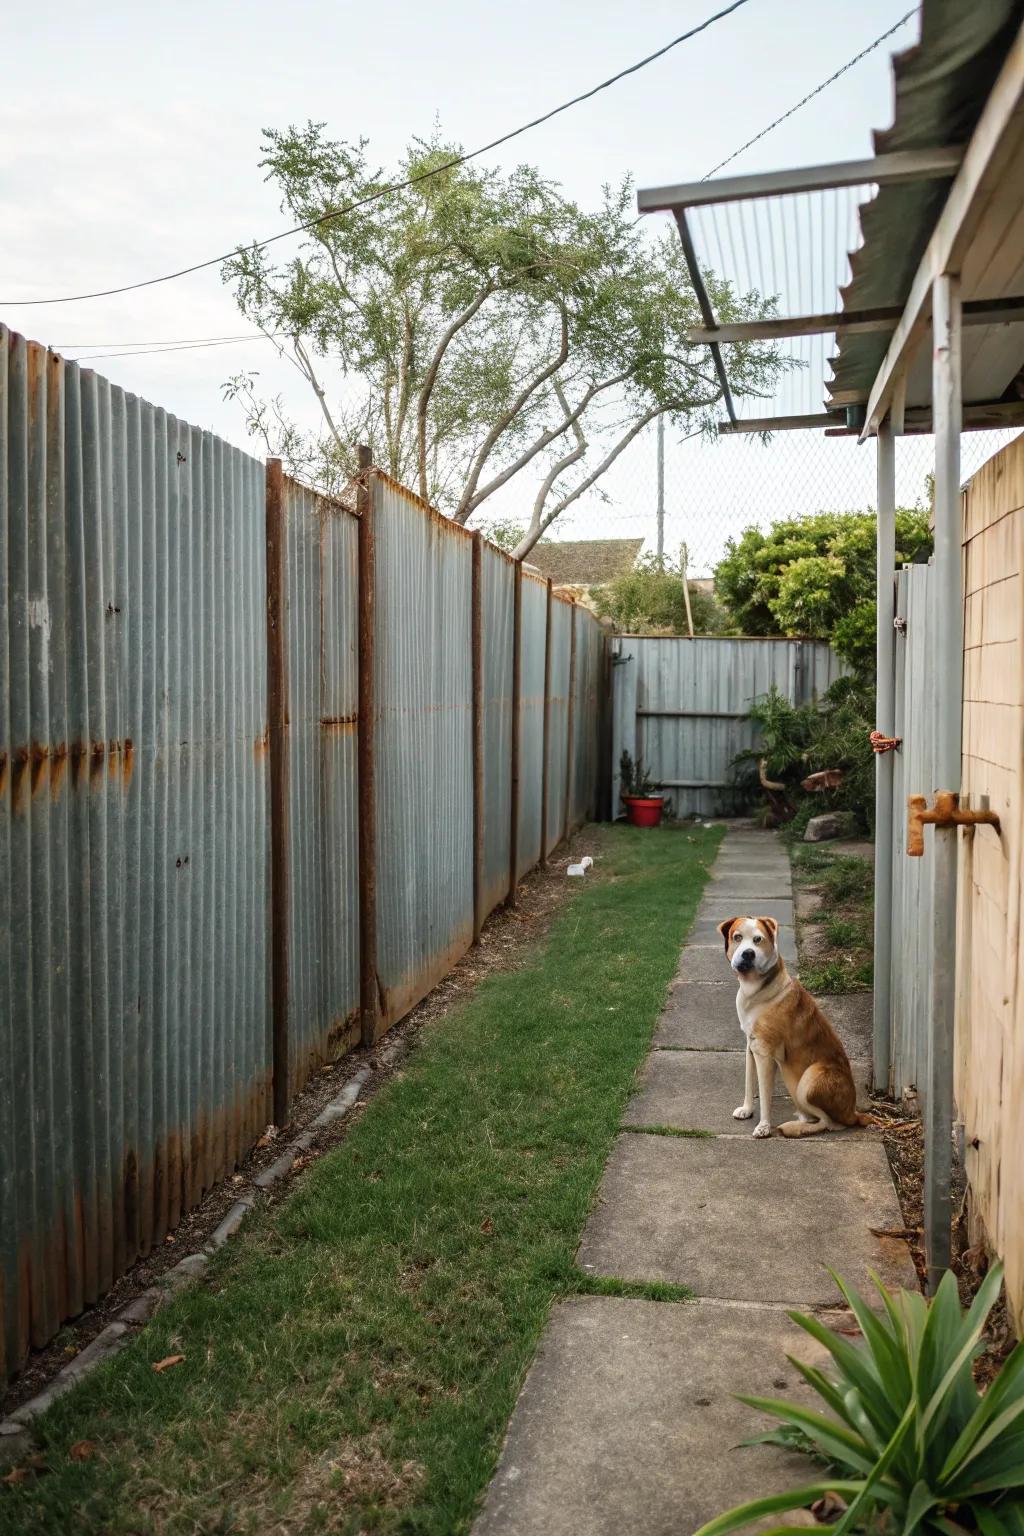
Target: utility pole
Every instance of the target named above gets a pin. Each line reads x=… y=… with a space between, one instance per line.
x=661 y=489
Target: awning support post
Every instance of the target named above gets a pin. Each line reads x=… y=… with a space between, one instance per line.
x=885 y=722
x=947 y=661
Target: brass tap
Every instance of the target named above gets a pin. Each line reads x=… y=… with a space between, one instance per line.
x=946 y=812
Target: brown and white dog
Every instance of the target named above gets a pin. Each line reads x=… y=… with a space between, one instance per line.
x=785 y=1027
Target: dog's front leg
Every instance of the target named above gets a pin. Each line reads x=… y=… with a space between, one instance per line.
x=764 y=1061
x=746 y=1109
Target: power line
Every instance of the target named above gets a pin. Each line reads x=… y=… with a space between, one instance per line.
x=811 y=94
x=400 y=186
x=154 y=341
x=177 y=346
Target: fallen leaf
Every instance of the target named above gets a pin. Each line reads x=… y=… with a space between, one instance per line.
x=83 y=1450
x=19 y=1475
x=302 y=1161
x=487 y=1227
x=269 y=1136
x=168 y=1361
x=169 y=1238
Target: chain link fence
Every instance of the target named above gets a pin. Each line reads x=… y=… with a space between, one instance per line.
x=713 y=490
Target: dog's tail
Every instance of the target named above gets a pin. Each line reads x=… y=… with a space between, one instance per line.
x=879 y=1122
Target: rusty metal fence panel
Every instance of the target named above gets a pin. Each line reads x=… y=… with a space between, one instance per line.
x=692 y=708
x=590 y=641
x=424 y=746
x=134 y=1063
x=498 y=574
x=320 y=580
x=531 y=720
x=558 y=720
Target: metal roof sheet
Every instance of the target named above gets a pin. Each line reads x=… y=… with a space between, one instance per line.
x=940 y=87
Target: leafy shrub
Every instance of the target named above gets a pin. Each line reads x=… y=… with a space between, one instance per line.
x=799 y=739
x=915 y=1445
x=814 y=576
x=648 y=599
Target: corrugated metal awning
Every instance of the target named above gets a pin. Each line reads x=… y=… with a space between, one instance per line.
x=940 y=87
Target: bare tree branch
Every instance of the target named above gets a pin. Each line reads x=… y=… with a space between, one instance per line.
x=533 y=534
x=430 y=377
x=549 y=436
x=310 y=372
x=507 y=417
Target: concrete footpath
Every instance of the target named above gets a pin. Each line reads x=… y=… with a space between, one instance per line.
x=627 y=1421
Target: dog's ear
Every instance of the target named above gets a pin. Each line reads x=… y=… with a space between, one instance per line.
x=771 y=925
x=725 y=929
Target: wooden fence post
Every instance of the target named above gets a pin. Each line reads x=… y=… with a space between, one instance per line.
x=477 y=643
x=570 y=710
x=517 y=698
x=544 y=774
x=277 y=741
x=368 y=995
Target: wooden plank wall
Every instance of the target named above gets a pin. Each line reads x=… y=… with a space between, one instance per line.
x=990 y=995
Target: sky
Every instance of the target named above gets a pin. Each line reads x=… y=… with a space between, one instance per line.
x=130 y=138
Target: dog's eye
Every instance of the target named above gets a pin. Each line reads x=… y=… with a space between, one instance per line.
x=757 y=938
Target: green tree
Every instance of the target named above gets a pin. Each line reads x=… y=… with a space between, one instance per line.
x=648 y=599
x=483 y=326
x=814 y=576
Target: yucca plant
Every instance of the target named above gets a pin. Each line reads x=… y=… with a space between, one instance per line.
x=914 y=1444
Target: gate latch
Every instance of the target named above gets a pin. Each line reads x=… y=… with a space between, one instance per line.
x=946 y=812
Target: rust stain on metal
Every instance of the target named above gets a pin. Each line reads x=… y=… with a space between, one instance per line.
x=341 y=723
x=262 y=744
x=42 y=764
x=19 y=768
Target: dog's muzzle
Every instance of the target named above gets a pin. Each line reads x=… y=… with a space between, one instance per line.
x=745 y=962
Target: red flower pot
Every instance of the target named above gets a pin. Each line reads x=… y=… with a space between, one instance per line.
x=643 y=812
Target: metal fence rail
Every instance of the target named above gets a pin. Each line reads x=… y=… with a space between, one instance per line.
x=913 y=773
x=181 y=771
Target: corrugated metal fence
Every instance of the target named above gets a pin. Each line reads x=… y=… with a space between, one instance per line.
x=182 y=668
x=683 y=706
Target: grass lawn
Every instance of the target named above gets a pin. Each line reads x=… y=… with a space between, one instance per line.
x=353 y=1357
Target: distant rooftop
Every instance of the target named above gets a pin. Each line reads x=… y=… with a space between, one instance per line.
x=584 y=562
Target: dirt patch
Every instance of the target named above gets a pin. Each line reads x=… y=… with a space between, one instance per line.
x=508 y=935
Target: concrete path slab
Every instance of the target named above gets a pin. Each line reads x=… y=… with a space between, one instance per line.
x=704 y=963
x=627 y=1421
x=713 y=909
x=698 y=1091
x=748 y=1220
x=739 y=887
x=700 y=1017
x=851 y=1017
